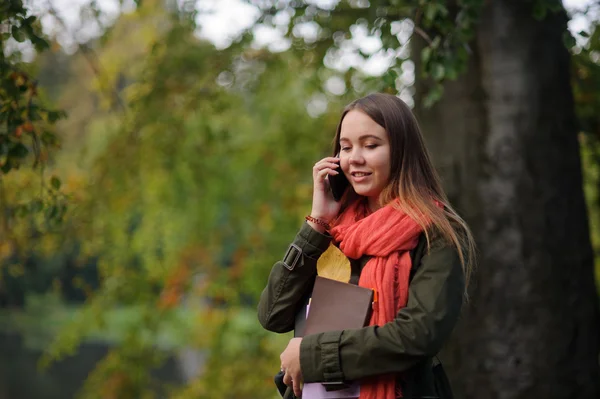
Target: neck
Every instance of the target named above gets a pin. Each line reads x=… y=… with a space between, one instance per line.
x=373 y=203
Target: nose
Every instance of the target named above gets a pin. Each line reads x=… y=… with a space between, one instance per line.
x=356 y=157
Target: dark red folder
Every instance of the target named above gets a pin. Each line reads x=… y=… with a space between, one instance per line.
x=337 y=306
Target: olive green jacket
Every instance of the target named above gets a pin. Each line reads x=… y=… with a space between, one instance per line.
x=405 y=345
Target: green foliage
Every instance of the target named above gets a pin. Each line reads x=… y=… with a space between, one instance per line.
x=541 y=8
x=187 y=194
x=451 y=31
x=590 y=149
x=446 y=29
x=586 y=86
x=25 y=123
x=23 y=119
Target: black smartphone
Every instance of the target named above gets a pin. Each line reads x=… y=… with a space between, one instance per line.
x=281 y=387
x=338 y=184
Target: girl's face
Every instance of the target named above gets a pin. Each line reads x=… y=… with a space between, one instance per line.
x=365 y=155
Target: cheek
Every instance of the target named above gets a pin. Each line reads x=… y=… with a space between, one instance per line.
x=383 y=165
x=344 y=163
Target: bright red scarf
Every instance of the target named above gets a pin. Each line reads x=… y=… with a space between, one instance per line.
x=387 y=235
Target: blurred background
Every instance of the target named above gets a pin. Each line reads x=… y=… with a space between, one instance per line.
x=155 y=162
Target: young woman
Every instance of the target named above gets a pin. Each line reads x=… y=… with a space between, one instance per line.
x=393 y=213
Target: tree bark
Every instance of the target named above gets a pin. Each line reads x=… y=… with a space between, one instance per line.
x=504 y=139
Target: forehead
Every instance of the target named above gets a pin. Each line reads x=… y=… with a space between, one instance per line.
x=356 y=124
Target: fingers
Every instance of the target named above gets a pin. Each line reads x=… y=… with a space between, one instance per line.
x=322 y=164
x=327 y=164
x=325 y=167
x=287 y=378
x=330 y=162
x=297 y=388
x=295 y=383
x=326 y=172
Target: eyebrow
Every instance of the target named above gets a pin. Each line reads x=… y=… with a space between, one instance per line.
x=363 y=137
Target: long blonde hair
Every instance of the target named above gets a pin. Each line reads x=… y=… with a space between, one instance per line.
x=414 y=182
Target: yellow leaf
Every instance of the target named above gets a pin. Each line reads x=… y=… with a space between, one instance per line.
x=333 y=264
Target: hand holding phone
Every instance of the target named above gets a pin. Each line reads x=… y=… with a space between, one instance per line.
x=327 y=188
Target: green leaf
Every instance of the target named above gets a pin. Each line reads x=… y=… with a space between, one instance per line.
x=568 y=40
x=53 y=116
x=17 y=6
x=55 y=182
x=18 y=150
x=390 y=41
x=48 y=138
x=6 y=167
x=40 y=44
x=36 y=205
x=539 y=11
x=28 y=30
x=430 y=12
x=389 y=79
x=426 y=54
x=21 y=210
x=51 y=212
x=18 y=34
x=442 y=10
x=433 y=96
x=451 y=73
x=437 y=71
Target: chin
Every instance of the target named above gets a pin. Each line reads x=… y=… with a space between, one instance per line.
x=366 y=192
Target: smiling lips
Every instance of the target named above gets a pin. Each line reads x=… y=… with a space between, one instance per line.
x=359 y=176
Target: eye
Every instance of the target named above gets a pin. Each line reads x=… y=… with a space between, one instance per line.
x=345 y=149
x=371 y=146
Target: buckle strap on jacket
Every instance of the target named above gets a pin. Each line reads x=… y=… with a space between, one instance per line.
x=292 y=257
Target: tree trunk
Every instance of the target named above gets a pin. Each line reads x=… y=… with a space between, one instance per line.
x=504 y=139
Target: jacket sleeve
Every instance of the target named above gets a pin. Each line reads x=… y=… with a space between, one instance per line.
x=290 y=280
x=417 y=332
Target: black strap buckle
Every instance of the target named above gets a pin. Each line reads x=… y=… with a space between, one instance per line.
x=292 y=256
x=331 y=386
